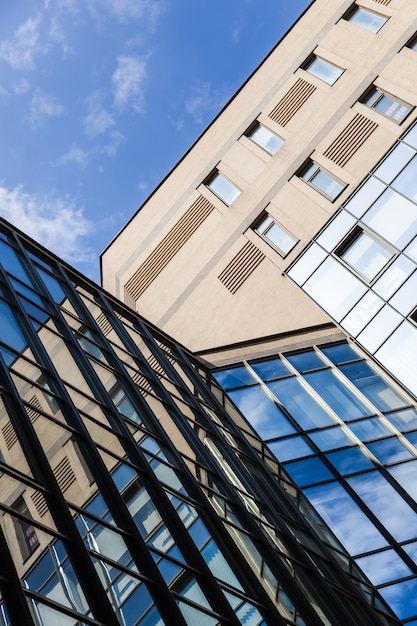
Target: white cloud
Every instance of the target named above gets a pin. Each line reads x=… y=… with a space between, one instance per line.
x=56 y=223
x=21 y=86
x=42 y=106
x=98 y=120
x=128 y=10
x=21 y=51
x=115 y=139
x=204 y=102
x=128 y=82
x=75 y=155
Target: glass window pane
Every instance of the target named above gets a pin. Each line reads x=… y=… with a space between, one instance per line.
x=404 y=420
x=405 y=475
x=299 y=403
x=330 y=187
x=348 y=522
x=379 y=328
x=366 y=256
x=273 y=368
x=394 y=162
x=379 y=218
x=362 y=313
x=402 y=597
x=324 y=70
x=406 y=297
x=340 y=353
x=223 y=188
x=307 y=263
x=393 y=277
x=235 y=377
x=389 y=450
x=367 y=19
x=308 y=472
x=372 y=428
x=261 y=412
x=350 y=461
x=331 y=438
x=290 y=448
x=395 y=110
x=387 y=504
x=366 y=195
x=406 y=182
x=280 y=238
x=334 y=288
x=307 y=360
x=336 y=230
x=265 y=138
x=337 y=396
x=375 y=388
x=383 y=567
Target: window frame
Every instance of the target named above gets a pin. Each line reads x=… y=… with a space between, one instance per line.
x=354 y=9
x=316 y=170
x=374 y=95
x=263 y=233
x=358 y=231
x=251 y=132
x=412 y=43
x=314 y=57
x=217 y=174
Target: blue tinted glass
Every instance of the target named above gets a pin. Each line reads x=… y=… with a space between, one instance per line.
x=303 y=361
x=152 y=618
x=136 y=604
x=340 y=353
x=235 y=377
x=40 y=573
x=273 y=368
x=404 y=420
x=348 y=522
x=299 y=403
x=337 y=396
x=383 y=567
x=389 y=450
x=406 y=182
x=382 y=395
x=405 y=475
x=11 y=333
x=387 y=504
x=330 y=438
x=372 y=428
x=198 y=533
x=412 y=437
x=10 y=260
x=402 y=597
x=53 y=286
x=308 y=472
x=122 y=476
x=291 y=448
x=261 y=412
x=349 y=461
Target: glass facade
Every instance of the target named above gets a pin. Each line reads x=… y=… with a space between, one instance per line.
x=362 y=267
x=129 y=493
x=346 y=435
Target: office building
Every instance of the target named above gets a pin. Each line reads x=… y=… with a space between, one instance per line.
x=132 y=493
x=282 y=250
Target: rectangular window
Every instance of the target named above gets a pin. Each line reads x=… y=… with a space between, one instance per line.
x=323 y=69
x=264 y=138
x=363 y=253
x=25 y=531
x=321 y=180
x=223 y=188
x=387 y=105
x=366 y=19
x=274 y=234
x=412 y=44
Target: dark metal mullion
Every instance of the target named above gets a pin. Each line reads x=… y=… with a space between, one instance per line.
x=10 y=584
x=197 y=445
x=91 y=584
x=296 y=549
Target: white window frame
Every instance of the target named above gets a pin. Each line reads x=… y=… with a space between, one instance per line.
x=400 y=109
x=309 y=67
x=357 y=10
x=263 y=137
x=286 y=241
x=310 y=174
x=233 y=192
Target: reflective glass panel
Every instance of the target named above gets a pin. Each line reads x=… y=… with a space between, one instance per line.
x=339 y=353
x=349 y=461
x=379 y=218
x=393 y=277
x=265 y=138
x=324 y=70
x=306 y=360
x=380 y=393
x=402 y=597
x=336 y=394
x=223 y=188
x=291 y=448
x=331 y=438
x=399 y=355
x=367 y=19
x=366 y=195
x=308 y=472
x=406 y=182
x=389 y=450
x=372 y=428
x=235 y=377
x=394 y=162
x=261 y=412
x=362 y=313
x=299 y=403
x=383 y=567
x=366 y=255
x=405 y=475
x=273 y=368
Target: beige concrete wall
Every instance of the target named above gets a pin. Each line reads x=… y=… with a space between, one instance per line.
x=186 y=297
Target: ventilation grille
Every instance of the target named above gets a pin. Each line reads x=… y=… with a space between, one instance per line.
x=32 y=410
x=104 y=324
x=350 y=139
x=168 y=248
x=293 y=100
x=142 y=382
x=383 y=2
x=9 y=435
x=64 y=474
x=241 y=267
x=39 y=502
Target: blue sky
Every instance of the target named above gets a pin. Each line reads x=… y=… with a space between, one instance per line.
x=100 y=98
